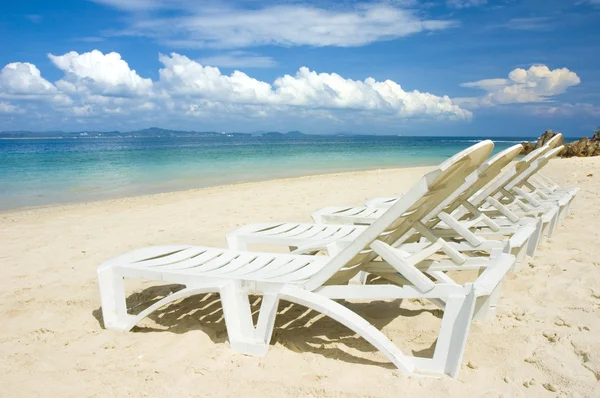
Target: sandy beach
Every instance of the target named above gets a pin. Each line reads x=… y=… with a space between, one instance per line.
x=544 y=342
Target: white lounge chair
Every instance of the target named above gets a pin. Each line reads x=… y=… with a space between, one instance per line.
x=534 y=195
x=549 y=187
x=484 y=196
x=306 y=237
x=541 y=186
x=514 y=195
x=315 y=281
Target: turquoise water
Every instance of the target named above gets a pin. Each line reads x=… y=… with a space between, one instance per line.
x=40 y=172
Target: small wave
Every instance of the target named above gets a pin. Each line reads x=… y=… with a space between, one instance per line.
x=510 y=141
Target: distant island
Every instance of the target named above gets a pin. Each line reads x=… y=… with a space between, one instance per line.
x=148 y=133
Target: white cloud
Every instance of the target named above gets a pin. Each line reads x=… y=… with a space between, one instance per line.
x=568 y=110
x=98 y=86
x=239 y=59
x=536 y=84
x=465 y=3
x=531 y=23
x=182 y=77
x=99 y=73
x=7 y=108
x=282 y=25
x=23 y=79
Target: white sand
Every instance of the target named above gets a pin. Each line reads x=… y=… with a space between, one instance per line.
x=52 y=343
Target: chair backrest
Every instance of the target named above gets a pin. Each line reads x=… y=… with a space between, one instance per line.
x=552 y=142
x=555 y=140
x=534 y=168
x=477 y=180
x=402 y=216
x=511 y=174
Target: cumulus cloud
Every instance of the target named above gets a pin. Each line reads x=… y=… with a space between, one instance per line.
x=283 y=25
x=22 y=79
x=536 y=84
x=103 y=74
x=103 y=85
x=308 y=89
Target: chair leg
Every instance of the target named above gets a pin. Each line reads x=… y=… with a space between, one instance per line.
x=266 y=318
x=553 y=223
x=112 y=297
x=451 y=342
x=243 y=336
x=486 y=306
x=114 y=308
x=534 y=240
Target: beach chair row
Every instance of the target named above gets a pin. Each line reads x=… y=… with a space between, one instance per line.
x=472 y=212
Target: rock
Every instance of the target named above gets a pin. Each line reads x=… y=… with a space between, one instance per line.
x=584 y=147
x=529 y=383
x=472 y=365
x=527 y=147
x=544 y=138
x=550 y=387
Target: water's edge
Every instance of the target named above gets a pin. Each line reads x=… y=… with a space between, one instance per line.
x=190 y=190
x=36 y=173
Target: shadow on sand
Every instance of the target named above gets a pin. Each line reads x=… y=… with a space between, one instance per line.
x=297 y=328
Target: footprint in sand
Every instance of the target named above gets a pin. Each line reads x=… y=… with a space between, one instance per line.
x=551 y=336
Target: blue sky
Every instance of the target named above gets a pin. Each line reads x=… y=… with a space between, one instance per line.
x=459 y=67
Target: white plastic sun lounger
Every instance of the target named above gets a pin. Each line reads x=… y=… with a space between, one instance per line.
x=523 y=187
x=508 y=217
x=307 y=238
x=506 y=177
x=315 y=281
x=549 y=187
x=546 y=193
x=514 y=194
x=498 y=199
x=472 y=224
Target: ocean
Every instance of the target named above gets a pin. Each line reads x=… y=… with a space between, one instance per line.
x=37 y=172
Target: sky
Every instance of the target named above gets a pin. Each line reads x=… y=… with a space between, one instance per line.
x=408 y=67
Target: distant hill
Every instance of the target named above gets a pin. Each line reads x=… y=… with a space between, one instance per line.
x=295 y=134
x=144 y=133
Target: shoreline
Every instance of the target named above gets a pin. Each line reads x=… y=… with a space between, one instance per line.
x=57 y=173
x=122 y=198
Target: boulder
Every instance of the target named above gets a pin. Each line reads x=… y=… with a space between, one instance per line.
x=583 y=148
x=527 y=147
x=544 y=138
